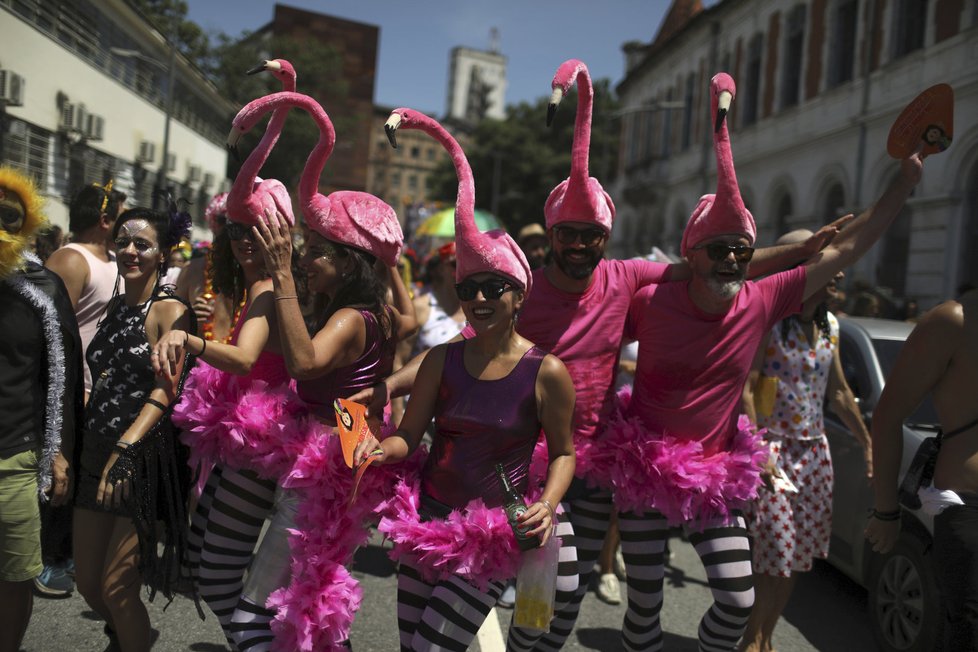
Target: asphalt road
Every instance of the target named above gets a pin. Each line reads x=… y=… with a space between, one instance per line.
x=828 y=612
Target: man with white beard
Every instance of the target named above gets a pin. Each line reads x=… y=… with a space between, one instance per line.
x=681 y=453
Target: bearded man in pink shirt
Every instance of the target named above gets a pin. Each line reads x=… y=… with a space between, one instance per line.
x=577 y=311
x=680 y=453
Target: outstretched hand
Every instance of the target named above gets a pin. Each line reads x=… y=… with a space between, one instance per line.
x=825 y=235
x=374 y=397
x=274 y=239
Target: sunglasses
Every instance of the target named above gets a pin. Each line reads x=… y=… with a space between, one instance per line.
x=237 y=231
x=142 y=246
x=491 y=289
x=717 y=251
x=569 y=235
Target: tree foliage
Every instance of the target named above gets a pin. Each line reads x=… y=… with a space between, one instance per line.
x=533 y=158
x=170 y=17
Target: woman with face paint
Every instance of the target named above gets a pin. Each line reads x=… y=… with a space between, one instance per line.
x=130 y=467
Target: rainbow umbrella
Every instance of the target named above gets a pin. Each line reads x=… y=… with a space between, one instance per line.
x=442 y=223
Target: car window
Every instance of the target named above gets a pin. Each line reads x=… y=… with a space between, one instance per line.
x=854 y=368
x=887 y=352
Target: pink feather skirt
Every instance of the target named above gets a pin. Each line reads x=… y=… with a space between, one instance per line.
x=676 y=477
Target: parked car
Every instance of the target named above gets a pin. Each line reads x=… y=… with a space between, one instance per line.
x=906 y=609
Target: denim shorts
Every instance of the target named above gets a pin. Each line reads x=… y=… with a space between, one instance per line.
x=20 y=518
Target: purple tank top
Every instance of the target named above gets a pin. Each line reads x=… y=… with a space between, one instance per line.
x=376 y=362
x=269 y=367
x=478 y=424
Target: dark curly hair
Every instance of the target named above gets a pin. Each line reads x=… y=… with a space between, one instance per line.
x=362 y=290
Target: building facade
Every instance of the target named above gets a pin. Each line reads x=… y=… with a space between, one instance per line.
x=83 y=90
x=819 y=83
x=476 y=85
x=351 y=108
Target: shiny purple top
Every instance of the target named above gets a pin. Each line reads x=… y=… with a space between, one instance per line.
x=375 y=363
x=479 y=423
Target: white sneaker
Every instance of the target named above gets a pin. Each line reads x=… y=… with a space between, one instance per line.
x=608 y=589
x=619 y=565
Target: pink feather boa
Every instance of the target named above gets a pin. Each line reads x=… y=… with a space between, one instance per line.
x=649 y=470
x=315 y=611
x=240 y=422
x=476 y=544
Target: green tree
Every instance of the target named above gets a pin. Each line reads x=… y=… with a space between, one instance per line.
x=532 y=158
x=170 y=17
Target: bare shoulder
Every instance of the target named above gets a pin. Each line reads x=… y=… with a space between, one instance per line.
x=167 y=310
x=553 y=373
x=66 y=260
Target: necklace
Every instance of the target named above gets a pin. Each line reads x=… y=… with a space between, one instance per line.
x=208 y=294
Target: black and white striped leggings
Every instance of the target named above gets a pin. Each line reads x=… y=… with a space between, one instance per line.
x=725 y=552
x=224 y=530
x=442 y=616
x=573 y=518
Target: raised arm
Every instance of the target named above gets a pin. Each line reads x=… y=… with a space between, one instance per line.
x=865 y=230
x=403 y=305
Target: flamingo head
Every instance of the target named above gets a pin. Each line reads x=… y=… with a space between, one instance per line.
x=280 y=69
x=408 y=118
x=722 y=92
x=563 y=80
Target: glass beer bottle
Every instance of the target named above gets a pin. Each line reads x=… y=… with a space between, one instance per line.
x=515 y=506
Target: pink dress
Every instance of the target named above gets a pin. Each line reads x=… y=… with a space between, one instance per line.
x=791 y=529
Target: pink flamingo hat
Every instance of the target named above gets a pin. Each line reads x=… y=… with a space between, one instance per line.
x=356 y=219
x=579 y=198
x=475 y=252
x=250 y=195
x=217 y=206
x=723 y=213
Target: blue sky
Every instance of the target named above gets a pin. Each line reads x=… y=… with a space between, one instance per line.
x=416 y=37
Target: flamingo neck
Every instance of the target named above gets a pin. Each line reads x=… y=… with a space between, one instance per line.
x=465 y=200
x=728 y=192
x=582 y=127
x=313 y=169
x=253 y=164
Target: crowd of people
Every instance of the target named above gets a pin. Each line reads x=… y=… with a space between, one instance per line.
x=166 y=422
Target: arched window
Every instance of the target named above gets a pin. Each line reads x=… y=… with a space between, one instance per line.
x=752 y=76
x=833 y=202
x=782 y=213
x=793 y=53
x=842 y=56
x=891 y=271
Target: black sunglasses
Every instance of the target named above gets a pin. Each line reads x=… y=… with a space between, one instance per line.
x=491 y=289
x=237 y=230
x=718 y=251
x=569 y=235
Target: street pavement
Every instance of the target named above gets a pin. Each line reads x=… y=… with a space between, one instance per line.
x=828 y=612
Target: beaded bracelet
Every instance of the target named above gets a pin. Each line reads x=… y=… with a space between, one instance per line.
x=885 y=516
x=553 y=513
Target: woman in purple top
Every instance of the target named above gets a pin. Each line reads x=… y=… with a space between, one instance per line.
x=300 y=565
x=490 y=396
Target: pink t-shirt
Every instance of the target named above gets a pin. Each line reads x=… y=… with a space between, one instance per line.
x=585 y=330
x=692 y=365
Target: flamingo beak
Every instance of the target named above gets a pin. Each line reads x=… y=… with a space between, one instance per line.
x=723 y=105
x=390 y=128
x=555 y=99
x=263 y=66
x=232 y=143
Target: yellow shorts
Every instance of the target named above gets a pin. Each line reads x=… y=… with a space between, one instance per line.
x=20 y=518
